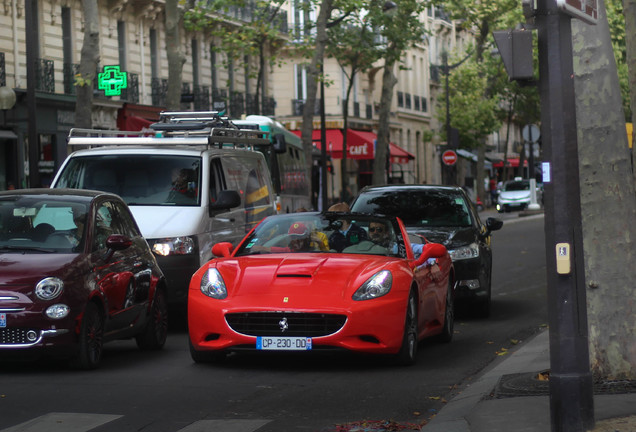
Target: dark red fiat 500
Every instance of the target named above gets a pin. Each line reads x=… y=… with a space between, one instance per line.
x=75 y=272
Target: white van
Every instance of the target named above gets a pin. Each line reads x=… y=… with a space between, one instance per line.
x=195 y=181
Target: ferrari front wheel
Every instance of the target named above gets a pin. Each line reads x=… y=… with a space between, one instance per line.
x=408 y=351
x=449 y=316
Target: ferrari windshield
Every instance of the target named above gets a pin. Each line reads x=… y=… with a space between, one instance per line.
x=326 y=233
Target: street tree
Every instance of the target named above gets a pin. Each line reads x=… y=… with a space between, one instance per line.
x=629 y=11
x=176 y=57
x=85 y=79
x=257 y=35
x=401 y=28
x=474 y=109
x=353 y=45
x=481 y=18
x=606 y=181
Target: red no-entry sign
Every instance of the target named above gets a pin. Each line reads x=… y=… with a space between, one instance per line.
x=449 y=157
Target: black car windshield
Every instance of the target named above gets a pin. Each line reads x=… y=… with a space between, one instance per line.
x=30 y=224
x=417 y=208
x=326 y=233
x=139 y=179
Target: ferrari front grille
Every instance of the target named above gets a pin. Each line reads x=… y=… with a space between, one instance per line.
x=285 y=323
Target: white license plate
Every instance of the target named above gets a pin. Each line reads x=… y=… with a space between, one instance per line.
x=288 y=343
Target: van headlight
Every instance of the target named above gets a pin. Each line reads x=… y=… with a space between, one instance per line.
x=174 y=246
x=464 y=252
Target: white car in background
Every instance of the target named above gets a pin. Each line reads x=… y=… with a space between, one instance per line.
x=516 y=195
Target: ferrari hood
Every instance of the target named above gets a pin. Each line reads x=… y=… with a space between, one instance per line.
x=330 y=278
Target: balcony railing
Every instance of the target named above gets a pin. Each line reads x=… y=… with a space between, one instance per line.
x=251 y=104
x=45 y=76
x=237 y=103
x=131 y=93
x=158 y=89
x=219 y=99
x=299 y=104
x=201 y=98
x=70 y=70
x=269 y=106
x=3 y=73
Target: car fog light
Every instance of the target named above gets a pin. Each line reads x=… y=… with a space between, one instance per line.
x=57 y=311
x=32 y=336
x=470 y=283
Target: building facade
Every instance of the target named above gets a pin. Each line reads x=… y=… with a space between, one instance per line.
x=132 y=37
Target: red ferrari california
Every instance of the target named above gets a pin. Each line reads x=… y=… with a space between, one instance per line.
x=318 y=281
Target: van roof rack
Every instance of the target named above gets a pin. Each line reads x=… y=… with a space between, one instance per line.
x=207 y=128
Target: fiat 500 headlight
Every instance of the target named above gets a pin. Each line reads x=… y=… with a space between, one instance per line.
x=49 y=288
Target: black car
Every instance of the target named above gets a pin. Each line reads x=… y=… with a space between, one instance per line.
x=442 y=214
x=76 y=273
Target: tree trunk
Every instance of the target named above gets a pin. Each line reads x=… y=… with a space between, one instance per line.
x=176 y=58
x=382 y=145
x=88 y=66
x=629 y=10
x=312 y=81
x=606 y=180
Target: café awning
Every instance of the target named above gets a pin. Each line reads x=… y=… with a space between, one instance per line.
x=360 y=145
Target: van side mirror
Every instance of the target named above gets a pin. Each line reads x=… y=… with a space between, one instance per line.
x=226 y=200
x=280 y=144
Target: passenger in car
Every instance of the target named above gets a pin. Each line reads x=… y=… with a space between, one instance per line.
x=348 y=234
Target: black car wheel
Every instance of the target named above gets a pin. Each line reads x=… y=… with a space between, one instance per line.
x=91 y=338
x=156 y=331
x=408 y=352
x=449 y=316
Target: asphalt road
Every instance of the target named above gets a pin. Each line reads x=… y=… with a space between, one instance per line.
x=166 y=391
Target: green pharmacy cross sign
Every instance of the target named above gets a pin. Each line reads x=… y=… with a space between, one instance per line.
x=112 y=80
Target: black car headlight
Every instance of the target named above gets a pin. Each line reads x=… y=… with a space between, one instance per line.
x=464 y=252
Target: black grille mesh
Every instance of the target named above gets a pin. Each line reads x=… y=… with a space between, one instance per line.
x=15 y=336
x=298 y=324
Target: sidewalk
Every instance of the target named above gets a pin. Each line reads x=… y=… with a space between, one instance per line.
x=474 y=410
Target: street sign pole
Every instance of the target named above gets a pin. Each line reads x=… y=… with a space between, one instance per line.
x=571 y=389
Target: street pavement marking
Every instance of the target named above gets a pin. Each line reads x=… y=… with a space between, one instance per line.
x=63 y=422
x=224 y=426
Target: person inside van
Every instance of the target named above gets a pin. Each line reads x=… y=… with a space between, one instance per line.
x=183 y=186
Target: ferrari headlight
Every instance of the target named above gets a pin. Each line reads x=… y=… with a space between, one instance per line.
x=212 y=284
x=465 y=252
x=174 y=246
x=49 y=288
x=376 y=286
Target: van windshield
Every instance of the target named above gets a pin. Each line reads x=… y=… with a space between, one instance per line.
x=139 y=179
